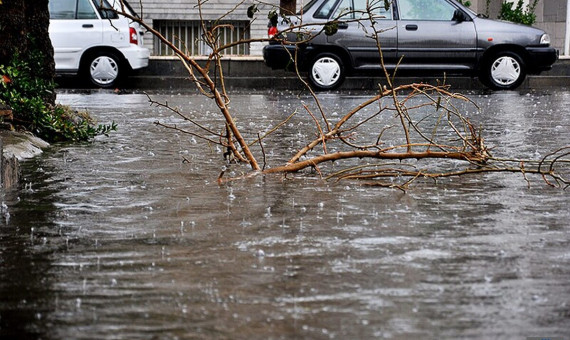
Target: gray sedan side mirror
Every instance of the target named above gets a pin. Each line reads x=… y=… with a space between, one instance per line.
x=459 y=16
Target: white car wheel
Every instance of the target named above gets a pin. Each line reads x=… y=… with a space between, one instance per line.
x=104 y=70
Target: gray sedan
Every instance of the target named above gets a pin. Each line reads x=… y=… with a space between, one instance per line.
x=334 y=37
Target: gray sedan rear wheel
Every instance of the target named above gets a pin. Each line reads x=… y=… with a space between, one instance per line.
x=326 y=72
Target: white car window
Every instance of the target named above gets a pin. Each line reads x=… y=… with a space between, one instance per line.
x=434 y=10
x=62 y=9
x=71 y=9
x=106 y=10
x=85 y=10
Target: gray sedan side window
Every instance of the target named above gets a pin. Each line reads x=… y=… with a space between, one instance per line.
x=380 y=9
x=345 y=10
x=356 y=9
x=325 y=10
x=434 y=10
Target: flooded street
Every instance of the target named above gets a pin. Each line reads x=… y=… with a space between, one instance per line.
x=131 y=237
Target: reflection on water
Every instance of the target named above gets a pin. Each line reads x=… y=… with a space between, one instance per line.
x=121 y=239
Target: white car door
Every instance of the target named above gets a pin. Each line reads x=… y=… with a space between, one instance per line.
x=74 y=27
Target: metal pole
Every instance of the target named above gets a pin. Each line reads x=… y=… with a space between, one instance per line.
x=567 y=40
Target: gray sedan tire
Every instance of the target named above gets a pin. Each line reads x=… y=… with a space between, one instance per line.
x=103 y=69
x=504 y=71
x=326 y=71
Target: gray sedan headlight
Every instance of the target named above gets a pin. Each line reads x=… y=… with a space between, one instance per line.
x=545 y=39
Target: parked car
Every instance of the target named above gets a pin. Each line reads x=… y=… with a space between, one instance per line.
x=436 y=36
x=92 y=41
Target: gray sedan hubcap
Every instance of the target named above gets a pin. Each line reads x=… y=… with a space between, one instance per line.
x=505 y=70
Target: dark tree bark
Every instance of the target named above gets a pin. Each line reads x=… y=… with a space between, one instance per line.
x=288 y=6
x=24 y=28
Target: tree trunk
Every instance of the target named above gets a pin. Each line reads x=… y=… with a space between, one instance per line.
x=24 y=28
x=288 y=7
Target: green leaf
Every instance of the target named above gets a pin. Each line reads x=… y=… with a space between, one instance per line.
x=331 y=28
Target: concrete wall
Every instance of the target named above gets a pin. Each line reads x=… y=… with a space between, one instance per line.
x=551 y=17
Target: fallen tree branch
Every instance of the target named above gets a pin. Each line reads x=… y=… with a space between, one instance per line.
x=412 y=123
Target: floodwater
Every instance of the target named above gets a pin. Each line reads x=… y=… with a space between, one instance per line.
x=131 y=237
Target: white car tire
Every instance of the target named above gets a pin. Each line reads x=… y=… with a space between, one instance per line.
x=103 y=69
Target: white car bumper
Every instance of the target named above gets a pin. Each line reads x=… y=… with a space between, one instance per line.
x=136 y=56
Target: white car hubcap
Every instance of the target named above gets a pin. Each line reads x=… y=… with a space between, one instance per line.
x=104 y=70
x=326 y=71
x=505 y=70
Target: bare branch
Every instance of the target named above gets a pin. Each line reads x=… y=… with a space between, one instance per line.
x=417 y=121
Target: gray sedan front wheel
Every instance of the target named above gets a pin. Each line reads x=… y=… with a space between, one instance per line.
x=504 y=71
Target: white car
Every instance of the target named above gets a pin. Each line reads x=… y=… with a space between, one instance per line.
x=95 y=43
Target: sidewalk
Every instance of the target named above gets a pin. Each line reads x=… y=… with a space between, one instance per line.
x=251 y=73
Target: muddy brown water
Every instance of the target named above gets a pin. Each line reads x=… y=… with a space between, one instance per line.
x=122 y=239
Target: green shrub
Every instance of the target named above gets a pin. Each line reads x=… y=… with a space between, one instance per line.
x=518 y=14
x=26 y=95
x=465 y=3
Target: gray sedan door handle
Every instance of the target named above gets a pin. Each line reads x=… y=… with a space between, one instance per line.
x=87 y=26
x=412 y=27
